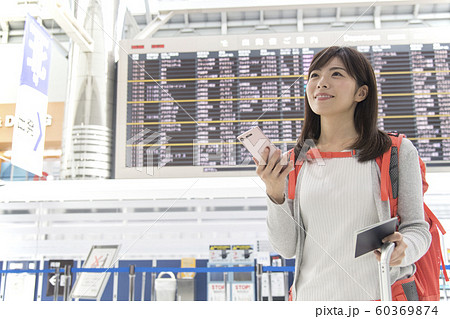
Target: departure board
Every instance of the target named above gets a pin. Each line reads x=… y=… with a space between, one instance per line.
x=185 y=109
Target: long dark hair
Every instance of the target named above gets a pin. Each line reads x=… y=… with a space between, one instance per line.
x=371 y=141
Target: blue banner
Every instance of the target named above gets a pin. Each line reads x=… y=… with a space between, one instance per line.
x=36 y=56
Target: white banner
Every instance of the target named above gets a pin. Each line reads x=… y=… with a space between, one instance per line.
x=31 y=107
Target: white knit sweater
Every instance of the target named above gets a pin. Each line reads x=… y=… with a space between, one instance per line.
x=337 y=201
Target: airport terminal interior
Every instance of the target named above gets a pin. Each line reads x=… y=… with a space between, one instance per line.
x=121 y=175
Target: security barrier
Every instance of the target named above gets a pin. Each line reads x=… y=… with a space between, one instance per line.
x=258 y=269
x=132 y=271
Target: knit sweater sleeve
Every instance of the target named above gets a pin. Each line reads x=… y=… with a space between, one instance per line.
x=281 y=226
x=413 y=227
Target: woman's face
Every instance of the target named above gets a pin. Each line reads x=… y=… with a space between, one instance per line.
x=332 y=91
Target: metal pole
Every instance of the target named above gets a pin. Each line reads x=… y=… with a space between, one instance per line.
x=286 y=281
x=286 y=285
x=67 y=281
x=40 y=278
x=269 y=285
x=143 y=287
x=56 y=289
x=225 y=281
x=2 y=292
x=259 y=273
x=132 y=280
x=115 y=283
x=153 y=292
x=385 y=280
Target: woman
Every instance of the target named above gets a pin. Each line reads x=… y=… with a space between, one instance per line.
x=334 y=200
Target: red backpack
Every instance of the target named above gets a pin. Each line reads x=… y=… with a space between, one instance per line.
x=428 y=267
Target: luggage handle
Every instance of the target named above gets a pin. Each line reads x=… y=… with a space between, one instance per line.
x=385 y=280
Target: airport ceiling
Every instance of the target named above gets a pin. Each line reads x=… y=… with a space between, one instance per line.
x=173 y=18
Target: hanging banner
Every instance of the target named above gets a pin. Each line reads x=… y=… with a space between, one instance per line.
x=32 y=100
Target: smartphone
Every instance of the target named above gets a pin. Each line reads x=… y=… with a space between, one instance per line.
x=256 y=142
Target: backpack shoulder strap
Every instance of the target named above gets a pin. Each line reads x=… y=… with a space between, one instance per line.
x=292 y=177
x=388 y=163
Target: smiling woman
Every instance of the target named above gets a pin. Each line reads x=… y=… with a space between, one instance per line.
x=337 y=195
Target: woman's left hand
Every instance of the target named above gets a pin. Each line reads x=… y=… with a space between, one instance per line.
x=399 y=251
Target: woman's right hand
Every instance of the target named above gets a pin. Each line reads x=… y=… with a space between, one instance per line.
x=274 y=174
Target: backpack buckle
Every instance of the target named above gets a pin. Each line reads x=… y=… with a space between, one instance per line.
x=394 y=133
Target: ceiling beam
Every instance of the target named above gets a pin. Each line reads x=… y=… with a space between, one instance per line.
x=148 y=16
x=224 y=23
x=151 y=28
x=300 y=24
x=262 y=23
x=248 y=5
x=377 y=17
x=131 y=21
x=416 y=19
x=186 y=20
x=293 y=22
x=5 y=31
x=70 y=25
x=416 y=10
x=338 y=21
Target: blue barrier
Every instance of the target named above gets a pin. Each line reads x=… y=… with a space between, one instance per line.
x=158 y=270
x=151 y=269
x=28 y=271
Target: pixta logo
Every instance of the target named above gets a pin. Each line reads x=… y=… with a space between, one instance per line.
x=153 y=144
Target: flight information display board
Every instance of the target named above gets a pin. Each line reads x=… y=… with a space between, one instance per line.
x=185 y=109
